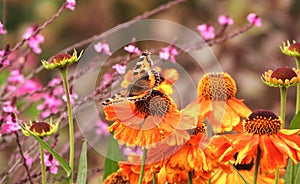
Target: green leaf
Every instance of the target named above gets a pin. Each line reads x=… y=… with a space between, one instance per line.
x=288 y=177
x=113 y=156
x=297 y=173
x=46 y=146
x=82 y=168
x=295 y=123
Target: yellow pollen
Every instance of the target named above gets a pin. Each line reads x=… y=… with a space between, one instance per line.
x=156 y=104
x=217 y=87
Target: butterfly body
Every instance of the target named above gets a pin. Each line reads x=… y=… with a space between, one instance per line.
x=144 y=79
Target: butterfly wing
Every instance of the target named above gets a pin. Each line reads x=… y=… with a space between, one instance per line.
x=144 y=80
x=116 y=98
x=142 y=88
x=143 y=65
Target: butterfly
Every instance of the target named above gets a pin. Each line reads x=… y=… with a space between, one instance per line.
x=144 y=79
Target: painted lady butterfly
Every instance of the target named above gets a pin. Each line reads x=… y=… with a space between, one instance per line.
x=144 y=80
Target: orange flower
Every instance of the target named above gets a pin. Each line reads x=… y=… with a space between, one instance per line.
x=220 y=176
x=188 y=158
x=115 y=178
x=148 y=122
x=131 y=170
x=216 y=96
x=264 y=133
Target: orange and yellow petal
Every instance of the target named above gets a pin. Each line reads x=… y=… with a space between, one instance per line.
x=276 y=149
x=220 y=177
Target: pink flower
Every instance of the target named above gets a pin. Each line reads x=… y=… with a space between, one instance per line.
x=16 y=77
x=51 y=162
x=2 y=31
x=254 y=19
x=29 y=160
x=54 y=82
x=102 y=47
x=50 y=105
x=106 y=78
x=8 y=107
x=225 y=20
x=70 y=4
x=34 y=41
x=121 y=69
x=29 y=86
x=73 y=97
x=168 y=53
x=10 y=124
x=5 y=62
x=132 y=48
x=207 y=31
x=101 y=128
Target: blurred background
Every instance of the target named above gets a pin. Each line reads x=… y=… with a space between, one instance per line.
x=244 y=57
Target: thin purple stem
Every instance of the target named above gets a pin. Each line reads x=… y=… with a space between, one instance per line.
x=23 y=157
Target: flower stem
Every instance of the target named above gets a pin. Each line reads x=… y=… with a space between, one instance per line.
x=190 y=179
x=43 y=170
x=143 y=165
x=154 y=178
x=64 y=74
x=283 y=104
x=257 y=162
x=298 y=88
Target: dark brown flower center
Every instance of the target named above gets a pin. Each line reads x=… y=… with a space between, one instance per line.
x=284 y=73
x=40 y=127
x=218 y=87
x=60 y=57
x=295 y=47
x=116 y=178
x=156 y=104
x=262 y=122
x=246 y=167
x=200 y=129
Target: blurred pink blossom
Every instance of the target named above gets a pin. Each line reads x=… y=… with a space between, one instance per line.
x=168 y=53
x=16 y=77
x=225 y=20
x=34 y=41
x=121 y=69
x=207 y=31
x=50 y=105
x=54 y=82
x=70 y=4
x=5 y=62
x=102 y=47
x=254 y=19
x=2 y=30
x=10 y=124
x=51 y=162
x=106 y=78
x=29 y=160
x=101 y=128
x=132 y=48
x=8 y=107
x=73 y=97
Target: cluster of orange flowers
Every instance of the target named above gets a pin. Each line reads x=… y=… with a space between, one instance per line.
x=178 y=142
